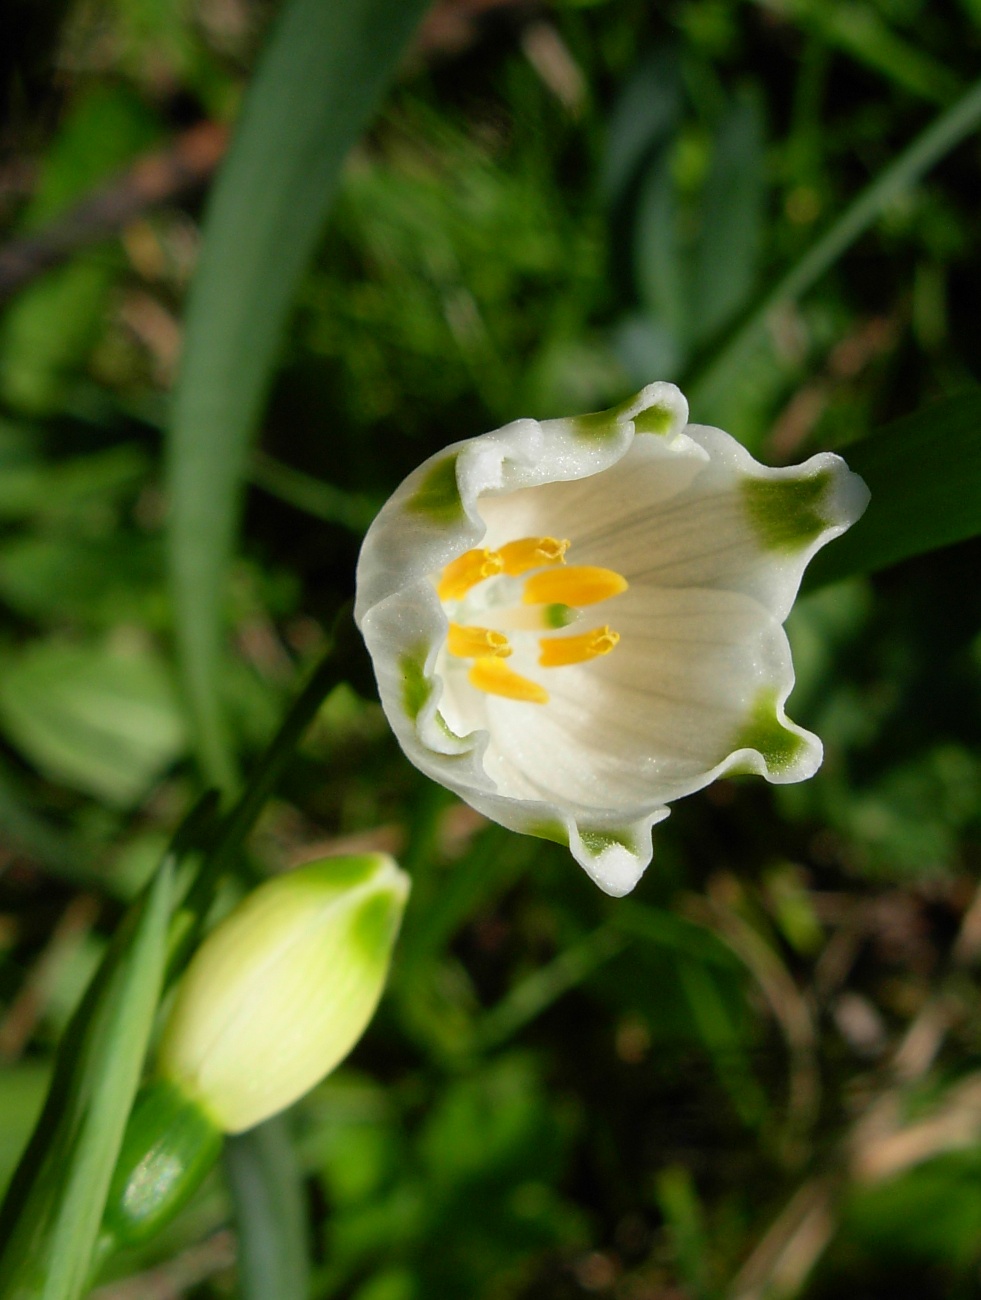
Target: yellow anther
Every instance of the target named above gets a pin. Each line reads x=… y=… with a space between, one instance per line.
x=532 y=553
x=466 y=571
x=496 y=678
x=577 y=585
x=475 y=642
x=558 y=651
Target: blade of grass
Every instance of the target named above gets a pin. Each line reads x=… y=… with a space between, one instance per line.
x=537 y=992
x=859 y=31
x=657 y=925
x=318 y=82
x=33 y=835
x=49 y=1254
x=724 y=1039
x=924 y=473
x=63 y=1091
x=312 y=496
x=942 y=135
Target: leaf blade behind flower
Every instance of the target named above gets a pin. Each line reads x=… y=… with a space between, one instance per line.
x=924 y=473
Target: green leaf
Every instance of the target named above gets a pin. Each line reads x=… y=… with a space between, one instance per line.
x=49 y=1252
x=538 y=991
x=726 y=253
x=725 y=1036
x=677 y=1199
x=102 y=131
x=924 y=473
x=644 y=117
x=102 y=720
x=857 y=29
x=668 y=930
x=318 y=83
x=22 y=1089
x=661 y=267
x=322 y=500
x=266 y=1186
x=28 y=832
x=93 y=581
x=78 y=491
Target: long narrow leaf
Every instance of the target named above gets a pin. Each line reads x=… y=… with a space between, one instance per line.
x=318 y=83
x=924 y=473
x=48 y=1256
x=726 y=253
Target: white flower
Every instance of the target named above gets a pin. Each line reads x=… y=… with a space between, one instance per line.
x=282 y=988
x=577 y=621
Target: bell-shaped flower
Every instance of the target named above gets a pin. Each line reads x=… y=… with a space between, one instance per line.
x=282 y=989
x=575 y=622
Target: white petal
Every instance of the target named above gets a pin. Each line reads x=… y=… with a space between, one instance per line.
x=593 y=512
x=433 y=516
x=696 y=512
x=745 y=527
x=656 y=719
x=614 y=851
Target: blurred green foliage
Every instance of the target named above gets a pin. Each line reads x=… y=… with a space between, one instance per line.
x=759 y=1076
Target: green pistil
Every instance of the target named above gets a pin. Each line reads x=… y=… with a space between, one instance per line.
x=556 y=616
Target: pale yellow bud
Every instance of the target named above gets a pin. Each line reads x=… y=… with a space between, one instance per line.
x=282 y=989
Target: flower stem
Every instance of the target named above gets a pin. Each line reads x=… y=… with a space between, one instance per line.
x=242 y=816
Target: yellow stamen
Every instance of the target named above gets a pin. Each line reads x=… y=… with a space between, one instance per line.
x=496 y=678
x=532 y=553
x=578 y=585
x=466 y=571
x=558 y=651
x=475 y=642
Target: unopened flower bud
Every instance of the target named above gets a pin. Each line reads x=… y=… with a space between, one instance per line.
x=282 y=989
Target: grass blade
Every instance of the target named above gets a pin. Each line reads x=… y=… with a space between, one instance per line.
x=320 y=78
x=49 y=1253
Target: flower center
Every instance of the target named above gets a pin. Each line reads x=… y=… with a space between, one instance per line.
x=550 y=598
